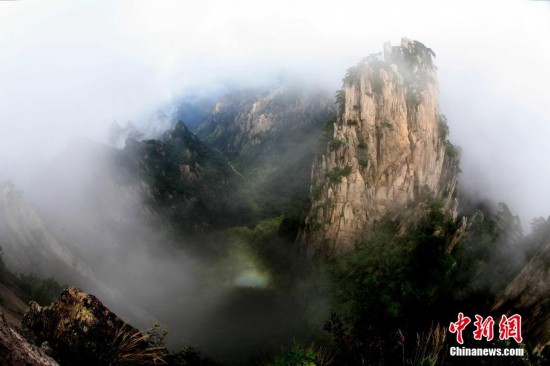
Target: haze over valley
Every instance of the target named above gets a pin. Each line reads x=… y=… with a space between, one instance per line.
x=269 y=180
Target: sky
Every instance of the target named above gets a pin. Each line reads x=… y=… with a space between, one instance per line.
x=70 y=68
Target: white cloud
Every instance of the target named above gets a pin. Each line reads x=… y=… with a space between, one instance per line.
x=72 y=67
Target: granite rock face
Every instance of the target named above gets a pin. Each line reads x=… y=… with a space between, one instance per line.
x=388 y=148
x=15 y=350
x=529 y=295
x=270 y=135
x=81 y=331
x=251 y=120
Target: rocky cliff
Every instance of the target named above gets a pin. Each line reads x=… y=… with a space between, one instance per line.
x=16 y=350
x=250 y=119
x=388 y=147
x=184 y=181
x=270 y=134
x=529 y=295
x=81 y=331
x=78 y=329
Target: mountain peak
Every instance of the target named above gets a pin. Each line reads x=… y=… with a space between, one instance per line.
x=414 y=53
x=180 y=130
x=388 y=148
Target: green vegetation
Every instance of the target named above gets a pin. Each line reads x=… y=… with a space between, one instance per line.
x=388 y=125
x=443 y=127
x=30 y=286
x=136 y=348
x=316 y=192
x=266 y=166
x=340 y=96
x=180 y=168
x=540 y=232
x=336 y=174
x=379 y=133
x=282 y=306
x=264 y=230
x=300 y=355
x=403 y=280
x=317 y=226
x=450 y=150
x=487 y=251
x=381 y=127
x=374 y=60
x=42 y=290
x=377 y=83
x=353 y=75
x=335 y=143
x=149 y=348
x=326 y=135
x=392 y=266
x=190 y=356
x=389 y=297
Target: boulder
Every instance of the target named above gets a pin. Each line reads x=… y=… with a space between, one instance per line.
x=81 y=331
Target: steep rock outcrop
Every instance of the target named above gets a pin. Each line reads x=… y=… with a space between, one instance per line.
x=185 y=182
x=247 y=119
x=529 y=295
x=270 y=134
x=389 y=147
x=78 y=329
x=15 y=350
x=81 y=331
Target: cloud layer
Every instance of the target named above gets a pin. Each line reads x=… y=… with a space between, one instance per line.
x=70 y=68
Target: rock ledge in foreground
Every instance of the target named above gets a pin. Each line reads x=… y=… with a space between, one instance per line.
x=81 y=331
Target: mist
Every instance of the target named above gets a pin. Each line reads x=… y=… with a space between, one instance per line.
x=69 y=69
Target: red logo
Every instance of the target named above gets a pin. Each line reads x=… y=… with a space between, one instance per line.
x=459 y=326
x=508 y=327
x=484 y=328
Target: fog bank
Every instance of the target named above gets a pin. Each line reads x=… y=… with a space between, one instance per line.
x=71 y=68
